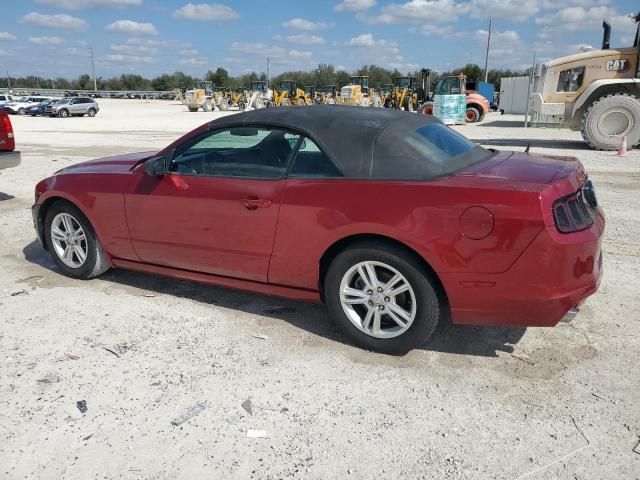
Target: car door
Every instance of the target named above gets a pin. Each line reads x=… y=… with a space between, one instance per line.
x=216 y=208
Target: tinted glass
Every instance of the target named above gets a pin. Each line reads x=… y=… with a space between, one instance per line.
x=427 y=152
x=243 y=152
x=570 y=80
x=312 y=162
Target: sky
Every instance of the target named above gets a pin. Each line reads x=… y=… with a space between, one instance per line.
x=53 y=38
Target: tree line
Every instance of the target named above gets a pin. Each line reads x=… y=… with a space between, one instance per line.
x=323 y=74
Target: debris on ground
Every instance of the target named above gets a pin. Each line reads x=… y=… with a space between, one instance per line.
x=260 y=336
x=251 y=433
x=148 y=295
x=523 y=357
x=636 y=449
x=19 y=292
x=247 y=406
x=49 y=378
x=88 y=437
x=71 y=356
x=111 y=351
x=82 y=405
x=192 y=412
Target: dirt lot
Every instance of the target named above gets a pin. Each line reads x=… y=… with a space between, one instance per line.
x=475 y=403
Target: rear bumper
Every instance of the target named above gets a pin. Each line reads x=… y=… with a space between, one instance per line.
x=553 y=276
x=9 y=159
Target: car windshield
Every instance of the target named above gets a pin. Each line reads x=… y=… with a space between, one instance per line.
x=428 y=152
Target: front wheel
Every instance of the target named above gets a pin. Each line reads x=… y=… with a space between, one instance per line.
x=472 y=115
x=63 y=113
x=611 y=118
x=91 y=112
x=73 y=243
x=382 y=298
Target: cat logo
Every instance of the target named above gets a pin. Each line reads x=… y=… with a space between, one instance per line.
x=617 y=65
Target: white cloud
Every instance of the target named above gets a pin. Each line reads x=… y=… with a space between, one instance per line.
x=75 y=51
x=354 y=5
x=418 y=11
x=257 y=49
x=575 y=18
x=299 y=54
x=79 y=4
x=61 y=21
x=194 y=61
x=518 y=10
x=7 y=36
x=206 y=12
x=121 y=58
x=368 y=40
x=131 y=27
x=46 y=40
x=302 y=24
x=305 y=39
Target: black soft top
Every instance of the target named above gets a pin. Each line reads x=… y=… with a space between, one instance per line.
x=361 y=141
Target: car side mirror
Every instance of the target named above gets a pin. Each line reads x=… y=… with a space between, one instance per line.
x=157 y=166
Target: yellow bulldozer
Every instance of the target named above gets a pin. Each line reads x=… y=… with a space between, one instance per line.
x=357 y=92
x=596 y=92
x=200 y=97
x=288 y=94
x=402 y=94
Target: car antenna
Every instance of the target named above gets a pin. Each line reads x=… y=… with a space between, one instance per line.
x=526 y=150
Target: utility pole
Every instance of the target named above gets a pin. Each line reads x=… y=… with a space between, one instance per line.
x=93 y=70
x=486 y=58
x=531 y=78
x=268 y=68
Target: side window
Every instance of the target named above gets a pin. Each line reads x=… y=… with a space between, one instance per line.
x=242 y=152
x=311 y=162
x=570 y=80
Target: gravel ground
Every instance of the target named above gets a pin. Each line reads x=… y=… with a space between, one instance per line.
x=141 y=351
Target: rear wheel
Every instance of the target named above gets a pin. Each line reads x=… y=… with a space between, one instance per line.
x=21 y=111
x=426 y=109
x=206 y=106
x=382 y=298
x=285 y=102
x=91 y=112
x=193 y=109
x=73 y=243
x=472 y=115
x=63 y=113
x=609 y=119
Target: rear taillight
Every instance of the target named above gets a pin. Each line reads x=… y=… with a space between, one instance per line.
x=574 y=212
x=8 y=128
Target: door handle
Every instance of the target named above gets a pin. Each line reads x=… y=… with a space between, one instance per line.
x=255 y=203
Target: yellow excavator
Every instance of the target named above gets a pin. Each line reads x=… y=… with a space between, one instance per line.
x=200 y=97
x=288 y=94
x=357 y=92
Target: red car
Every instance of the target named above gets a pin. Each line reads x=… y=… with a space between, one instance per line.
x=390 y=218
x=8 y=157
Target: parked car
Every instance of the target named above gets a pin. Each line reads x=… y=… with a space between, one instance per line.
x=75 y=106
x=8 y=156
x=39 y=108
x=20 y=106
x=4 y=99
x=406 y=221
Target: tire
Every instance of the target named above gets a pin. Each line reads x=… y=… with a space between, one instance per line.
x=63 y=113
x=472 y=115
x=388 y=103
x=623 y=112
x=285 y=102
x=21 y=111
x=95 y=261
x=421 y=302
x=242 y=105
x=193 y=109
x=206 y=106
x=426 y=109
x=300 y=102
x=91 y=112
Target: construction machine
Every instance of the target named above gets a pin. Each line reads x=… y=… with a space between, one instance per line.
x=288 y=94
x=477 y=105
x=257 y=96
x=403 y=94
x=311 y=94
x=328 y=95
x=357 y=92
x=596 y=92
x=201 y=96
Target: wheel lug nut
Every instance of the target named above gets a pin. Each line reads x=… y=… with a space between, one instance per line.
x=369 y=292
x=381 y=307
x=379 y=289
x=370 y=303
x=387 y=299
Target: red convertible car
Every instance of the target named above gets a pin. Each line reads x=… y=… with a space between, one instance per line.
x=390 y=218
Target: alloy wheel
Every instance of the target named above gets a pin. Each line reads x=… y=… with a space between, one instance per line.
x=69 y=240
x=378 y=299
